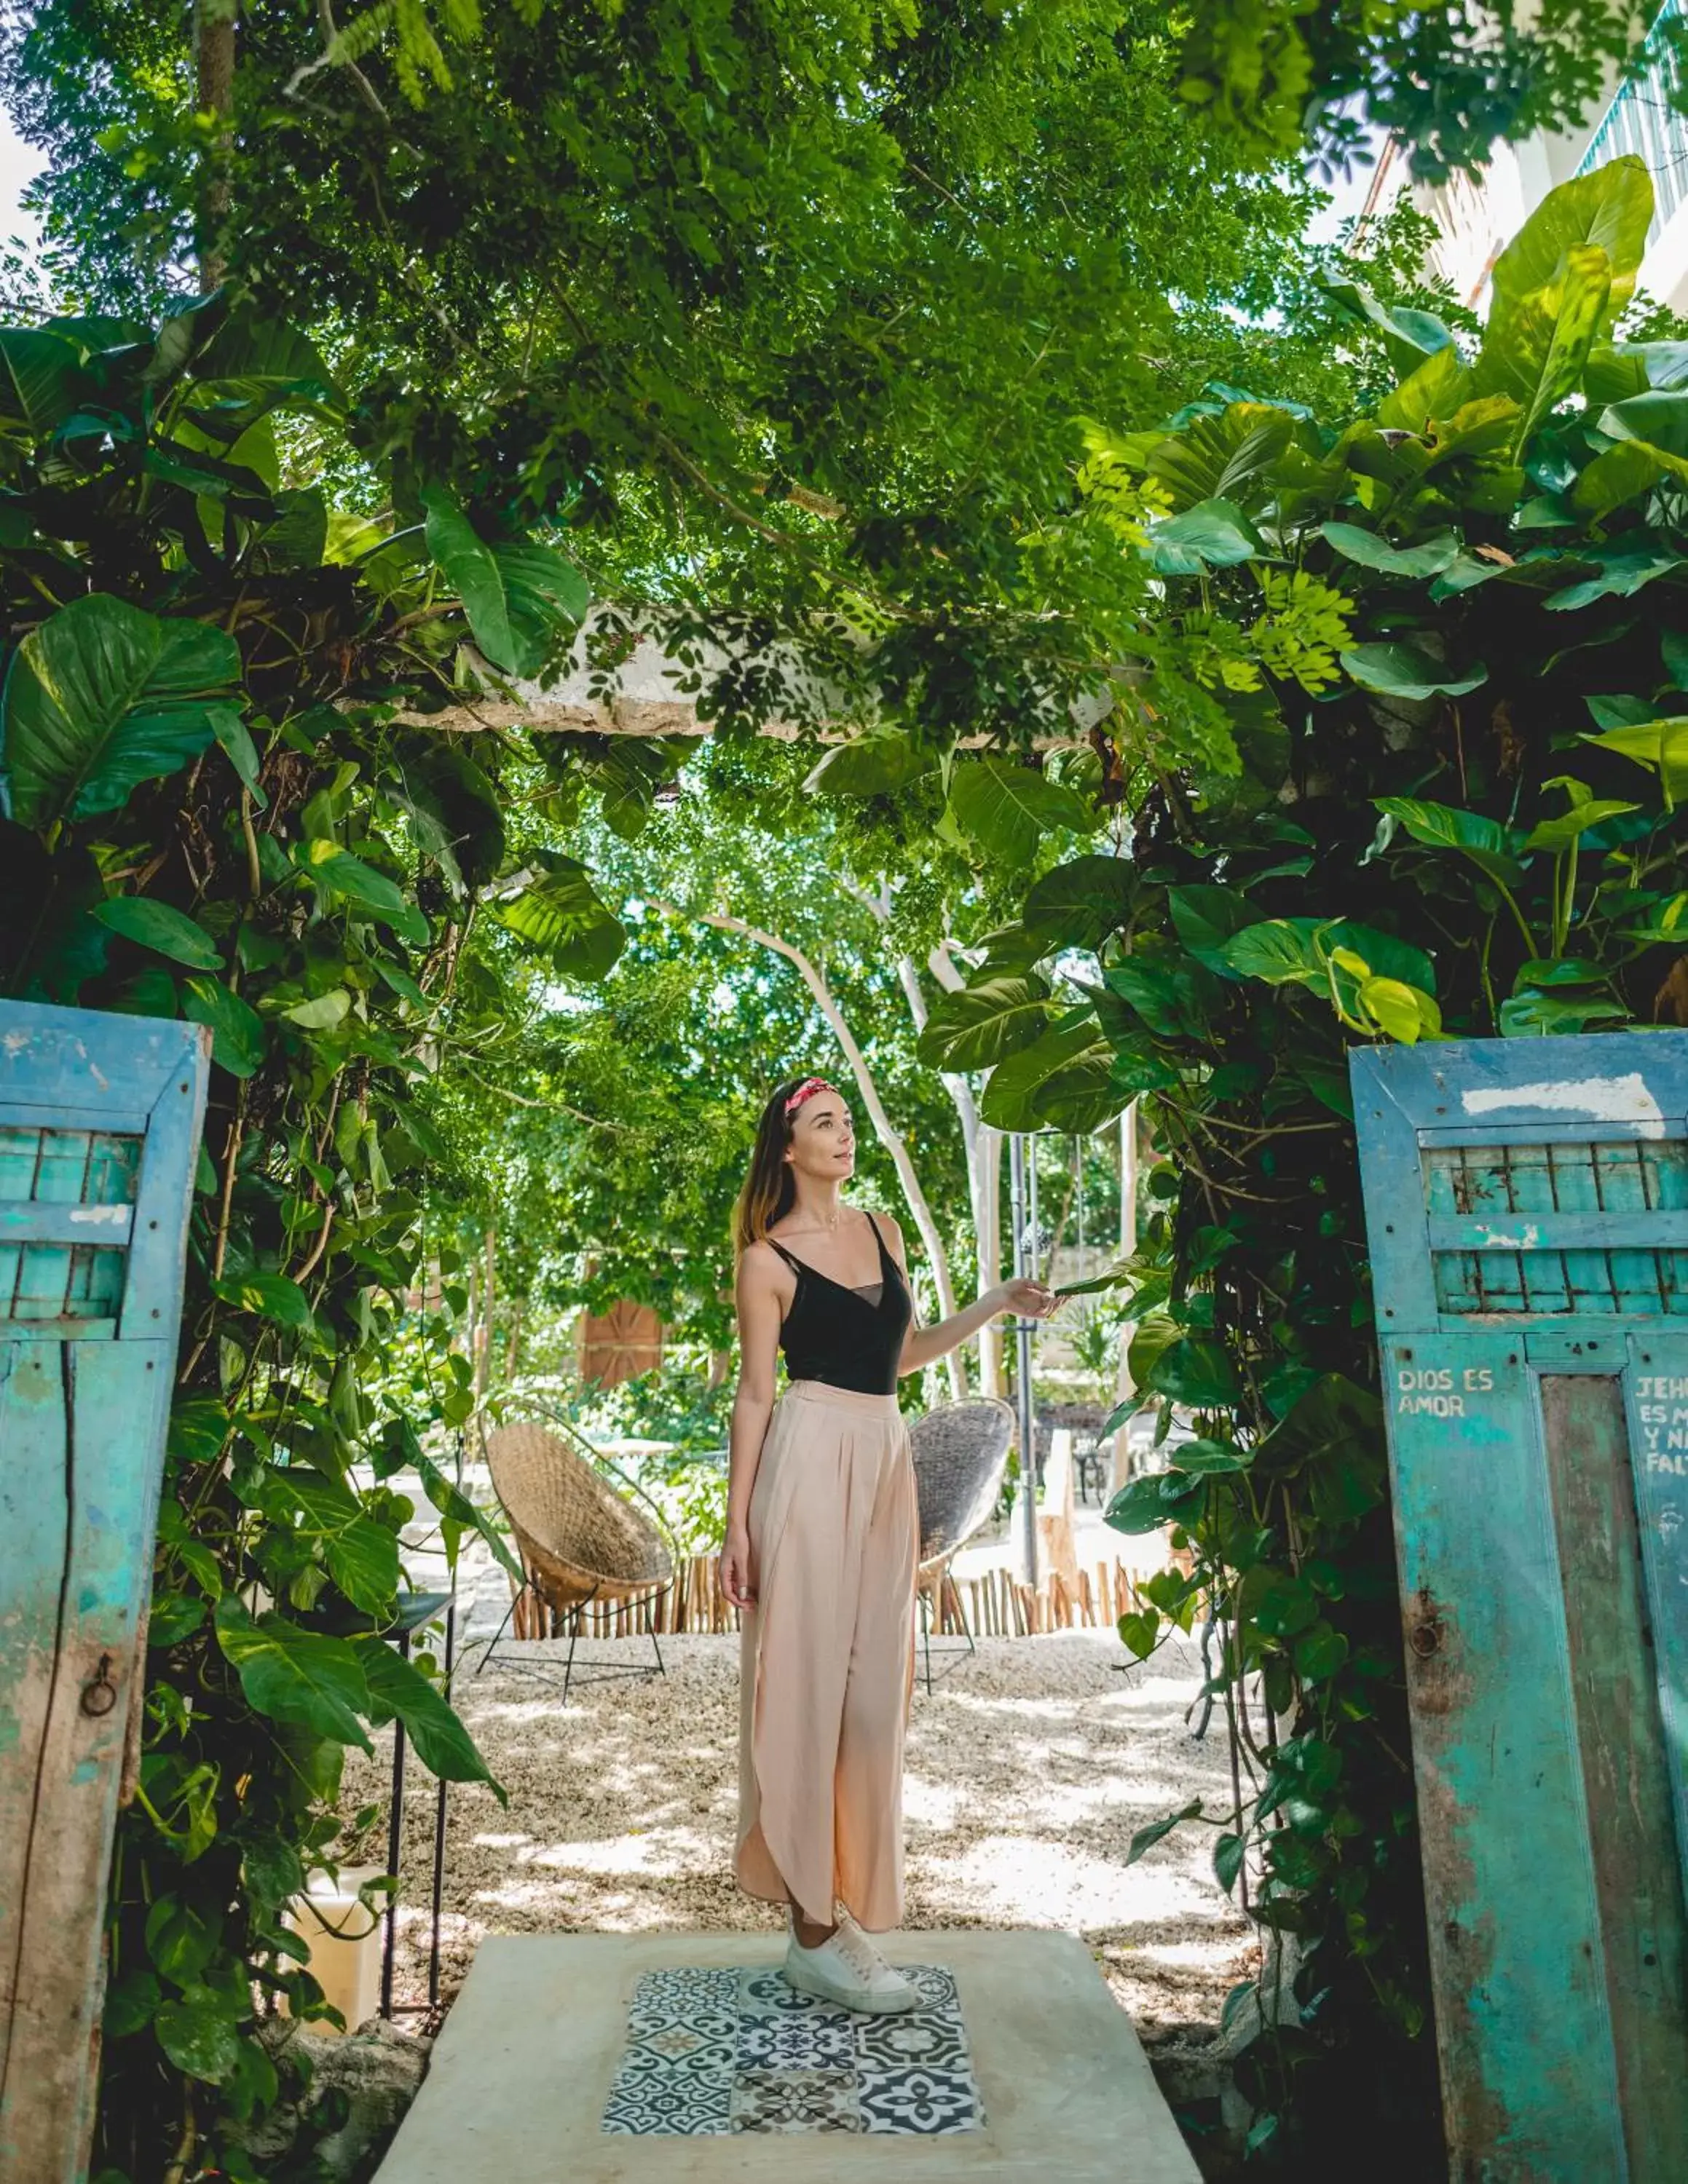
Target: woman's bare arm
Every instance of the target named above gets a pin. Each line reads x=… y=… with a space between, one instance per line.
x=761 y=1307
x=922 y=1344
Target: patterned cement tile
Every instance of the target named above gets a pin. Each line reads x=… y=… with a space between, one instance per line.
x=713 y=2051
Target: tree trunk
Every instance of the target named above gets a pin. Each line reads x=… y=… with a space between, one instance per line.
x=984 y=1144
x=483 y=1336
x=883 y=1129
x=213 y=22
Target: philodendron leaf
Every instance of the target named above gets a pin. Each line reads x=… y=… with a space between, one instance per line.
x=1429 y=558
x=1145 y=1839
x=1214 y=534
x=1621 y=575
x=157 y=926
x=562 y=914
x=1493 y=848
x=397 y=1688
x=1538 y=345
x=270 y=1296
x=1079 y=904
x=876 y=764
x=293 y=1676
x=1409 y=336
x=520 y=598
x=237 y=1034
x=1403 y=670
x=1609 y=208
x=457 y=1508
x=975 y=1027
x=1016 y=1080
x=42 y=380
x=1661 y=745
x=100 y=698
x=338 y=873
x=1138 y=1630
x=1006 y=808
x=1617 y=475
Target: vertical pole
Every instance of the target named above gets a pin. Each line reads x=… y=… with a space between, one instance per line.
x=395 y=1837
x=1127 y=1246
x=1022 y=1328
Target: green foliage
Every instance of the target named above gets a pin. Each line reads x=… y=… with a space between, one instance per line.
x=214 y=809
x=1447 y=82
x=1474 y=829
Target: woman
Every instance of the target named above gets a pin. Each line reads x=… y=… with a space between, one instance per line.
x=822 y=1539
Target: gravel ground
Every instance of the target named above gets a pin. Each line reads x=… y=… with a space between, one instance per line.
x=1029 y=1766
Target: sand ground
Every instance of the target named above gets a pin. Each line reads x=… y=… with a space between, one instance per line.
x=1029 y=1766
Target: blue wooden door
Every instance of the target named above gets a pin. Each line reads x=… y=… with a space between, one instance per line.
x=100 y=1118
x=1526 y=1208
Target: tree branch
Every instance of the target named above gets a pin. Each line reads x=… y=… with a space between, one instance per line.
x=883 y=1129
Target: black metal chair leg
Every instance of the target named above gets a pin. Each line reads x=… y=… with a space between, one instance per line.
x=515 y=1599
x=573 y=1634
x=926 y=1636
x=662 y=1666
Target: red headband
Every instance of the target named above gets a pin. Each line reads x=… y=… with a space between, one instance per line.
x=806 y=1090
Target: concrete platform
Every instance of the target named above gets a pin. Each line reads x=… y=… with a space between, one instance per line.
x=520 y=2070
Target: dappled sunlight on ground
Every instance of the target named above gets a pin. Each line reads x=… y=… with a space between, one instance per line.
x=1029 y=1766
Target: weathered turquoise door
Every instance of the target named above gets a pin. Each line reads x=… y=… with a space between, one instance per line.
x=1527 y=1207
x=99 y=1129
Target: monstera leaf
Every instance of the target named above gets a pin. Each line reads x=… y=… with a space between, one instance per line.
x=102 y=697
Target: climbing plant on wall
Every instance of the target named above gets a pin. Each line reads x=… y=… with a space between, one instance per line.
x=1434 y=659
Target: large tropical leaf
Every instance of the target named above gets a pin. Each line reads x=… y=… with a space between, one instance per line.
x=1437 y=388
x=454 y=808
x=1005 y=807
x=520 y=598
x=1610 y=208
x=977 y=1027
x=1429 y=558
x=102 y=697
x=1406 y=670
x=157 y=926
x=877 y=764
x=561 y=913
x=339 y=873
x=1079 y=904
x=257 y=356
x=40 y=381
x=1536 y=350
x=1214 y=534
x=1224 y=457
x=1409 y=336
x=443 y=1745
x=1493 y=848
x=1658 y=423
x=295 y=1675
x=1009 y=1098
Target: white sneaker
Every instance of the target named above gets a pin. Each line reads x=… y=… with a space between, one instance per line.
x=847 y=1970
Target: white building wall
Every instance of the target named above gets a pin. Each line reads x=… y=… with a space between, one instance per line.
x=1479 y=218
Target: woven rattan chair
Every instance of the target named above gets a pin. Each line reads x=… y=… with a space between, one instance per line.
x=581 y=1542
x=960 y=1454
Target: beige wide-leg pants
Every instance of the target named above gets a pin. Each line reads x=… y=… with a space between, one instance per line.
x=827 y=1661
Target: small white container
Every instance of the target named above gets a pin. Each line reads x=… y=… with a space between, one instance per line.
x=344 y=1939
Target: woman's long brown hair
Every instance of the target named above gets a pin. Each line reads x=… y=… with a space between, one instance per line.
x=770 y=1188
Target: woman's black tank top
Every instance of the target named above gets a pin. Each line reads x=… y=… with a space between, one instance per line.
x=846 y=1338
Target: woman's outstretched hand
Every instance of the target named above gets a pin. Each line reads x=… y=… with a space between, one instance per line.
x=736 y=1568
x=1024 y=1299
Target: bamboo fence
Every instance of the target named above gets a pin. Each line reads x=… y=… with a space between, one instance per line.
x=996 y=1606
